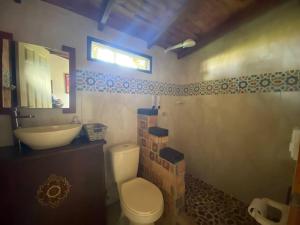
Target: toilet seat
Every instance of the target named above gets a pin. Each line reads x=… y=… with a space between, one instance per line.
x=141 y=200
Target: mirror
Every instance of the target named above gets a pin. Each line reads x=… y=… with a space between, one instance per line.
x=5 y=72
x=43 y=76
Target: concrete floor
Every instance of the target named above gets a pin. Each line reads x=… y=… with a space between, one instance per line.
x=114 y=215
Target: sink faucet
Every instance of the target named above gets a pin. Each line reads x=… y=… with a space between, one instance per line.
x=16 y=115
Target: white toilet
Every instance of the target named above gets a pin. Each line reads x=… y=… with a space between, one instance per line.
x=141 y=201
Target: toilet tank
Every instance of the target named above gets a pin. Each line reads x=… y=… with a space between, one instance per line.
x=125 y=160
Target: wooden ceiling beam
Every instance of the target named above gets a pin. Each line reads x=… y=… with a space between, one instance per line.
x=105 y=10
x=252 y=11
x=165 y=26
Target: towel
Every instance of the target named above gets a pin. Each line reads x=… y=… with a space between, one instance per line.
x=294 y=144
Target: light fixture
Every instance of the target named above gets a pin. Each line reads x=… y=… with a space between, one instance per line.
x=188 y=43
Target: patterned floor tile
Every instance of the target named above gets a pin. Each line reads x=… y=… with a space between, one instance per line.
x=210 y=206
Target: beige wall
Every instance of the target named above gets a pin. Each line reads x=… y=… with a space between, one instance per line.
x=239 y=143
x=6 y=138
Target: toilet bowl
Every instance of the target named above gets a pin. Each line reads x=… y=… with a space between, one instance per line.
x=141 y=201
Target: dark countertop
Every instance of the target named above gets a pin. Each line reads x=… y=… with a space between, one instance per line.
x=13 y=153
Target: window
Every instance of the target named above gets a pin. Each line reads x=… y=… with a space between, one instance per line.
x=99 y=50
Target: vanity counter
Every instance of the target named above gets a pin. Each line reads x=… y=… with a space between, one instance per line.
x=13 y=153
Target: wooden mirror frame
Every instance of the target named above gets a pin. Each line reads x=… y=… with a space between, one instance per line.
x=72 y=72
x=9 y=36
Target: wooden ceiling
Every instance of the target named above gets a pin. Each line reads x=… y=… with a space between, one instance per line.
x=168 y=22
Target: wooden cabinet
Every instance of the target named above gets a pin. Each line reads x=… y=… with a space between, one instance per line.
x=294 y=212
x=62 y=186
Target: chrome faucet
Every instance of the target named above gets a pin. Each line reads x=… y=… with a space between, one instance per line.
x=16 y=115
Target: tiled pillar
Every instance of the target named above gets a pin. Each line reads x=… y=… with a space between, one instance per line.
x=162 y=166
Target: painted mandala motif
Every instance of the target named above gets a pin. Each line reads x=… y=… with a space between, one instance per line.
x=53 y=192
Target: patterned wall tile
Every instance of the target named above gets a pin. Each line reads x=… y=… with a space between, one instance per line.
x=242 y=84
x=202 y=86
x=254 y=84
x=93 y=81
x=277 y=81
x=228 y=86
x=233 y=85
x=267 y=82
x=292 y=80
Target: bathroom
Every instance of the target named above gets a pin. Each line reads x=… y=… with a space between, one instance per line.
x=230 y=103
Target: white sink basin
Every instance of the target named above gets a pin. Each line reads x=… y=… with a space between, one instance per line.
x=45 y=137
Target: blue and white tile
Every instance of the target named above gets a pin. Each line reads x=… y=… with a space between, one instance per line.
x=267 y=82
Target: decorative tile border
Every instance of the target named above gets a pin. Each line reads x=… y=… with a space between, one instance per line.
x=99 y=82
x=267 y=82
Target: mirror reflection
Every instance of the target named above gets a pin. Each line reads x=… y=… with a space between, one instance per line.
x=43 y=78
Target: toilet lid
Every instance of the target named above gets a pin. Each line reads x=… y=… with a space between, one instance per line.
x=141 y=196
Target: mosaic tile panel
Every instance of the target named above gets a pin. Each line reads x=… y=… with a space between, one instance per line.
x=210 y=206
x=261 y=83
x=168 y=176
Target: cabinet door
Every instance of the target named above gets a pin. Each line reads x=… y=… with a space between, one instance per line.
x=61 y=189
x=294 y=212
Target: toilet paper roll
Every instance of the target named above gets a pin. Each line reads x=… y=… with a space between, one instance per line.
x=258 y=206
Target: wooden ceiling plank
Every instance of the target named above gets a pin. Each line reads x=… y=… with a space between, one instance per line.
x=169 y=23
x=80 y=7
x=144 y=12
x=156 y=5
x=120 y=22
x=253 y=10
x=105 y=10
x=185 y=31
x=121 y=9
